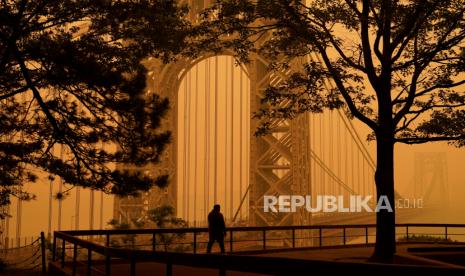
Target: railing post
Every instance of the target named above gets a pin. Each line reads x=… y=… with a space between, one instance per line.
x=107 y=262
x=445 y=229
x=42 y=247
x=107 y=243
x=195 y=242
x=231 y=241
x=344 y=235
x=89 y=261
x=74 y=258
x=63 y=253
x=169 y=268
x=154 y=242
x=264 y=239
x=406 y=231
x=133 y=266
x=321 y=237
x=366 y=234
x=222 y=271
x=54 y=248
x=293 y=238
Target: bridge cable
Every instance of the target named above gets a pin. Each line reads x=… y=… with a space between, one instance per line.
x=322 y=154
x=188 y=101
x=356 y=138
x=346 y=158
x=60 y=190
x=207 y=139
x=196 y=137
x=231 y=188
x=215 y=178
x=19 y=211
x=77 y=207
x=338 y=143
x=330 y=148
x=50 y=200
x=91 y=210
x=185 y=175
x=248 y=99
x=101 y=210
x=242 y=173
x=101 y=199
x=330 y=173
x=349 y=125
x=226 y=137
x=241 y=135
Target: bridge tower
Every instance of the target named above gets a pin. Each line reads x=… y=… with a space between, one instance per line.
x=430 y=174
x=279 y=162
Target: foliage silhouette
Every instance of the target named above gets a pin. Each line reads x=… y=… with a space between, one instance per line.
x=395 y=66
x=71 y=77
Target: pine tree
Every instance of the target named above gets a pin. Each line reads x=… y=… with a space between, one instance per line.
x=71 y=77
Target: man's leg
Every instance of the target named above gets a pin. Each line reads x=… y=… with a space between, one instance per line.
x=221 y=242
x=210 y=244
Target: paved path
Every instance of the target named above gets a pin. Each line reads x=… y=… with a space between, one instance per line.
x=362 y=254
x=357 y=254
x=157 y=269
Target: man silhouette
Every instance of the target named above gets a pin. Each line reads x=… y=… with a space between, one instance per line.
x=216 y=228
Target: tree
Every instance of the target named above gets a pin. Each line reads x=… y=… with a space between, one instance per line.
x=127 y=239
x=395 y=65
x=164 y=217
x=71 y=75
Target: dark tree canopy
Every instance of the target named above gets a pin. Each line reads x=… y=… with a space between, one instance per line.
x=163 y=216
x=71 y=75
x=396 y=66
x=344 y=39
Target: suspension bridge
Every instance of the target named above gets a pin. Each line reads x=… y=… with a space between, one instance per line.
x=215 y=158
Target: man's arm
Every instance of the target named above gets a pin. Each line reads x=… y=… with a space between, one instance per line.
x=210 y=223
x=223 y=224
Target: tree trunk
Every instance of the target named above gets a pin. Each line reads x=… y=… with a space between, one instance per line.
x=385 y=246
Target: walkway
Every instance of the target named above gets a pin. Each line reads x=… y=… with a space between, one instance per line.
x=361 y=254
x=354 y=254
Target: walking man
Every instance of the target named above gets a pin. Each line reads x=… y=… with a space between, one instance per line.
x=216 y=229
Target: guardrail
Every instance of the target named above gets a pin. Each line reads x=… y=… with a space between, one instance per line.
x=29 y=257
x=255 y=264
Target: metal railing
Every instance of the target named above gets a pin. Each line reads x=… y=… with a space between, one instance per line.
x=30 y=257
x=224 y=262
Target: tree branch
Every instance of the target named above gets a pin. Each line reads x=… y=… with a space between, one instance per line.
x=341 y=53
x=413 y=88
x=45 y=109
x=433 y=106
x=353 y=7
x=440 y=86
x=422 y=140
x=407 y=122
x=376 y=45
x=13 y=93
x=345 y=94
x=410 y=30
x=30 y=85
x=366 y=47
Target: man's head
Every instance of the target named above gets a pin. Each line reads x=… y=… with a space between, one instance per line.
x=216 y=207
